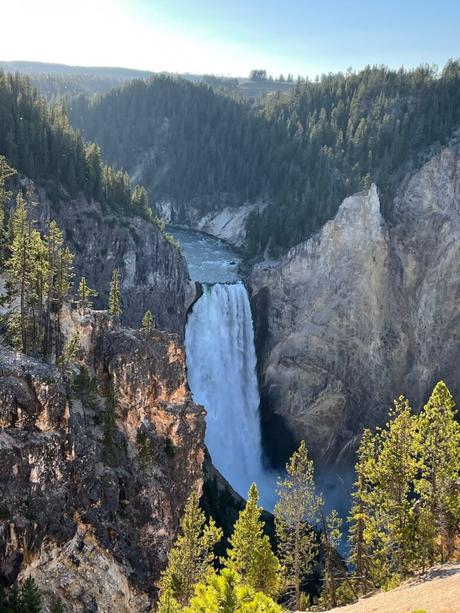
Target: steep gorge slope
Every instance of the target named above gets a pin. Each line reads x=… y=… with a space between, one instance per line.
x=361 y=312
x=153 y=271
x=90 y=507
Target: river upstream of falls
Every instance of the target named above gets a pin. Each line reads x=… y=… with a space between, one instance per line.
x=221 y=364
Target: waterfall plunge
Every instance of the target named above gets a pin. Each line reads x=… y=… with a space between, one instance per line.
x=221 y=363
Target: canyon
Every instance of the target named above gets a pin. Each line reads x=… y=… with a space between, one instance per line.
x=90 y=507
x=365 y=310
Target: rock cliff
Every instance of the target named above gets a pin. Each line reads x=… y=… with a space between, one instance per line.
x=363 y=311
x=94 y=476
x=224 y=219
x=153 y=271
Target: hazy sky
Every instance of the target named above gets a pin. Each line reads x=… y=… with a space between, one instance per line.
x=231 y=36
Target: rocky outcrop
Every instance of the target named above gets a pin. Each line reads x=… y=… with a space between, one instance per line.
x=223 y=220
x=363 y=311
x=94 y=477
x=153 y=271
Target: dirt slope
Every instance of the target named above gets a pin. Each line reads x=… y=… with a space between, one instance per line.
x=436 y=592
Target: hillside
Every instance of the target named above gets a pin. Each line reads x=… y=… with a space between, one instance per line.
x=299 y=153
x=55 y=81
x=436 y=592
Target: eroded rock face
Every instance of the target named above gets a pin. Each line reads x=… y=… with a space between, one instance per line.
x=360 y=313
x=153 y=271
x=225 y=219
x=90 y=507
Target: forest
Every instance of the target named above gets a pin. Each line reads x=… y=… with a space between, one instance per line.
x=302 y=152
x=38 y=141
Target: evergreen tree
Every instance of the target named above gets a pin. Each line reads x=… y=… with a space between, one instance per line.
x=227 y=594
x=250 y=554
x=31 y=599
x=21 y=265
x=86 y=293
x=361 y=515
x=115 y=309
x=5 y=173
x=296 y=512
x=438 y=449
x=148 y=322
x=331 y=535
x=192 y=557
x=395 y=471
x=167 y=603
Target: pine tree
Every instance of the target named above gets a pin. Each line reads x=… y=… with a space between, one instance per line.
x=115 y=309
x=226 y=593
x=296 y=512
x=250 y=554
x=167 y=603
x=148 y=322
x=438 y=449
x=59 y=268
x=20 y=266
x=361 y=514
x=331 y=536
x=395 y=471
x=192 y=557
x=5 y=173
x=30 y=598
x=86 y=293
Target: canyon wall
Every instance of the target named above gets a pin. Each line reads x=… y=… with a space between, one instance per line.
x=153 y=271
x=221 y=217
x=360 y=313
x=94 y=477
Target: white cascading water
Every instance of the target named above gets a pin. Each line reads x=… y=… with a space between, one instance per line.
x=221 y=364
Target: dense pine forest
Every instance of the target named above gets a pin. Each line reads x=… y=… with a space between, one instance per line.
x=39 y=143
x=304 y=151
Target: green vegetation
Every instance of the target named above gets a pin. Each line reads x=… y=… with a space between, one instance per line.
x=296 y=514
x=226 y=593
x=191 y=559
x=115 y=309
x=86 y=293
x=250 y=553
x=38 y=281
x=303 y=151
x=405 y=517
x=148 y=322
x=40 y=143
x=25 y=598
x=406 y=511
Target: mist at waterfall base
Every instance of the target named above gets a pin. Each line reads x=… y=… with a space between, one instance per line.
x=221 y=364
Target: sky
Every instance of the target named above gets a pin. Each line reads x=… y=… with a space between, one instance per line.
x=231 y=37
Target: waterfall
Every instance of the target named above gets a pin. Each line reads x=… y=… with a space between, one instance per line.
x=221 y=364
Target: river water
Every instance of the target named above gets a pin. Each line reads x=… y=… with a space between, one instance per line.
x=221 y=364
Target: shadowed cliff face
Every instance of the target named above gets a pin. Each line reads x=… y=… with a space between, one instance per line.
x=154 y=273
x=88 y=509
x=360 y=313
